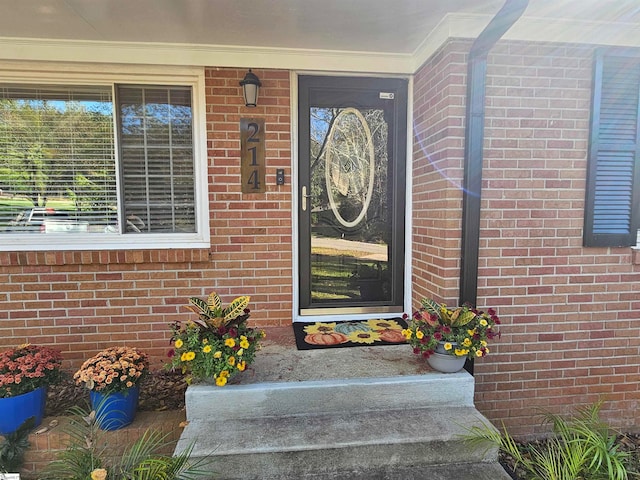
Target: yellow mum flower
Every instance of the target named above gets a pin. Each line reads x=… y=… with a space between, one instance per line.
x=218 y=354
x=460 y=352
x=483 y=343
x=190 y=356
x=221 y=381
x=471 y=332
x=448 y=346
x=244 y=343
x=179 y=343
x=243 y=337
x=230 y=342
x=419 y=335
x=205 y=341
x=483 y=322
x=183 y=357
x=407 y=333
x=231 y=361
x=242 y=365
x=206 y=349
x=240 y=352
x=479 y=353
x=224 y=373
x=466 y=342
x=99 y=474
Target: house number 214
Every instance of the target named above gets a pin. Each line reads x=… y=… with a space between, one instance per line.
x=252 y=155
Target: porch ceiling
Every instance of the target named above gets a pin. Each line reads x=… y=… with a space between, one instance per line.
x=391 y=26
x=389 y=30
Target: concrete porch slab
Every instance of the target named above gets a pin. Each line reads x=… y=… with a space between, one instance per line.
x=280 y=361
x=338 y=413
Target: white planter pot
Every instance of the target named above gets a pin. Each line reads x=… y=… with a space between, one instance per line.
x=446 y=363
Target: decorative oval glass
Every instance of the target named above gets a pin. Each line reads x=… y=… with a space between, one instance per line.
x=350 y=164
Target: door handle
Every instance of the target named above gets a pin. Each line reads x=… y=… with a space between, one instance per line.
x=304 y=198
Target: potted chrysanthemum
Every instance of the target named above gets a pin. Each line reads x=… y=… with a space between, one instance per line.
x=446 y=337
x=25 y=374
x=113 y=378
x=218 y=344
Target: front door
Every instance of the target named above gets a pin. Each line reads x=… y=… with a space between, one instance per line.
x=351 y=186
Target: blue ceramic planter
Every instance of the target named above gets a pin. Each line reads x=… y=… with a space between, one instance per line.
x=115 y=410
x=15 y=410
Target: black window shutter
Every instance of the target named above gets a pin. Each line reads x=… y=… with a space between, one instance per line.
x=612 y=202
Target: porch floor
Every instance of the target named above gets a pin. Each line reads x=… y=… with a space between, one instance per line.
x=337 y=414
x=279 y=360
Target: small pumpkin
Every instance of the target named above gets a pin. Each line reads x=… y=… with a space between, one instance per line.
x=350 y=327
x=332 y=338
x=392 y=336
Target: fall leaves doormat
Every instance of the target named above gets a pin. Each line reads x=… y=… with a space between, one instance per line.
x=356 y=333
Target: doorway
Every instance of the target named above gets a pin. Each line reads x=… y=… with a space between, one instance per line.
x=352 y=167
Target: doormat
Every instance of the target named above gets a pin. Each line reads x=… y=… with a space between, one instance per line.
x=356 y=333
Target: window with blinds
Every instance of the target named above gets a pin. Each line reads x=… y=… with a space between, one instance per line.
x=57 y=165
x=156 y=155
x=61 y=171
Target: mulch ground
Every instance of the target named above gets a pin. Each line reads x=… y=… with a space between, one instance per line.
x=160 y=391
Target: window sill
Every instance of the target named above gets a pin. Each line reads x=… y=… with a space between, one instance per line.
x=98 y=241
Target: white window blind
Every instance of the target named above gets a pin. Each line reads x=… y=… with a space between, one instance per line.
x=156 y=154
x=57 y=165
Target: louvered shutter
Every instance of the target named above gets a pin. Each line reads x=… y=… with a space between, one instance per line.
x=612 y=205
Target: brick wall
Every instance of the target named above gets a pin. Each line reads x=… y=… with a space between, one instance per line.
x=82 y=302
x=438 y=153
x=571 y=333
x=571 y=328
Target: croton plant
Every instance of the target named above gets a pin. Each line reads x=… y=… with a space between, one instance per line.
x=217 y=344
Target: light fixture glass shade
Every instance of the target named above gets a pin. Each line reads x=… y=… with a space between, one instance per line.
x=250 y=86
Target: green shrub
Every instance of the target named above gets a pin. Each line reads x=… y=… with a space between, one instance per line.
x=582 y=447
x=87 y=457
x=14 y=446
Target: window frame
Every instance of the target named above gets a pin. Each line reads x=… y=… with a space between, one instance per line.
x=110 y=75
x=610 y=239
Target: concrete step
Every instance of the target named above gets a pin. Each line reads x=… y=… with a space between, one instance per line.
x=330 y=396
x=334 y=443
x=458 y=471
x=355 y=413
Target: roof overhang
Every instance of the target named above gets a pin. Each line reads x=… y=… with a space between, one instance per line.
x=374 y=36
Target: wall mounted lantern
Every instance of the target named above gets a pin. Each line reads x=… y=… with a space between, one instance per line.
x=250 y=86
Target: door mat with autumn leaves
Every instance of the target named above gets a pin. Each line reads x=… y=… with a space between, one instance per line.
x=356 y=333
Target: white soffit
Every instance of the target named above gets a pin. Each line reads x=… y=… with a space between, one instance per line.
x=378 y=36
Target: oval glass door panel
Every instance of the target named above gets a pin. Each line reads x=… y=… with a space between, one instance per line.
x=350 y=166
